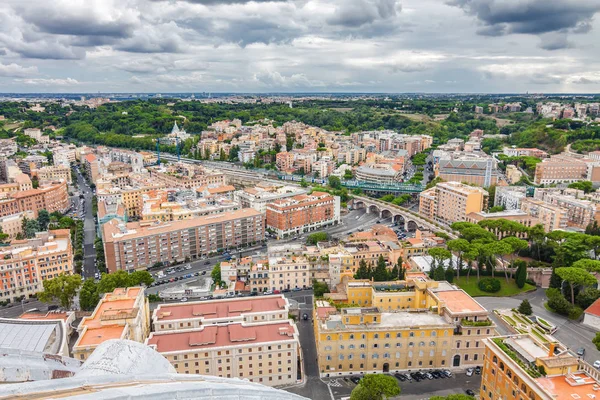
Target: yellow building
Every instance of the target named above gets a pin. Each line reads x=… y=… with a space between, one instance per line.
x=521 y=367
x=374 y=327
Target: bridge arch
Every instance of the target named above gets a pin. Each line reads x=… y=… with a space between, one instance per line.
x=373 y=209
x=411 y=226
x=357 y=204
x=385 y=214
x=399 y=220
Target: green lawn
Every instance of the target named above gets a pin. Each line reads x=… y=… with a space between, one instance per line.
x=507 y=289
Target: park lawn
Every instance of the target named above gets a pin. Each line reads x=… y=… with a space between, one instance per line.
x=507 y=289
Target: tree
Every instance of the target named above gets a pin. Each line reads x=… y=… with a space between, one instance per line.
x=499 y=250
x=459 y=246
x=43 y=219
x=362 y=272
x=123 y=279
x=62 y=288
x=521 y=275
x=525 y=308
x=575 y=277
x=586 y=297
x=438 y=256
x=555 y=280
x=88 y=295
x=320 y=288
x=303 y=183
x=449 y=274
x=596 y=340
x=439 y=273
x=348 y=175
x=334 y=182
x=375 y=387
x=317 y=237
x=517 y=245
x=216 y=274
x=30 y=227
x=381 y=273
x=587 y=264
x=586 y=186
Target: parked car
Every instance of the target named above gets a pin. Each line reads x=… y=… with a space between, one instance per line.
x=268 y=292
x=400 y=377
x=597 y=364
x=305 y=316
x=581 y=352
x=203 y=272
x=184 y=299
x=355 y=379
x=408 y=377
x=478 y=370
x=276 y=292
x=470 y=371
x=447 y=373
x=428 y=375
x=207 y=263
x=296 y=289
x=188 y=267
x=470 y=392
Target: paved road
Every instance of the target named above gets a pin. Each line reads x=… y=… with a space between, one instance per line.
x=572 y=334
x=89 y=229
x=18 y=308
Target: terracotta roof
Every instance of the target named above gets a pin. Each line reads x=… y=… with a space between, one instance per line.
x=458 y=301
x=221 y=336
x=90 y=157
x=45 y=316
x=220 y=308
x=594 y=309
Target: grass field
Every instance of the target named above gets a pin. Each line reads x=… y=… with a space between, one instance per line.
x=473 y=290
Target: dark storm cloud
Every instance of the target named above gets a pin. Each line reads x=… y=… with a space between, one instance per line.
x=530 y=16
x=47 y=51
x=555 y=42
x=355 y=13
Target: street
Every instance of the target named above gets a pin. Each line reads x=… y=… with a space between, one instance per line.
x=89 y=229
x=573 y=334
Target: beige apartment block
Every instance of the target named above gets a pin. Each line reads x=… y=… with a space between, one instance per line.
x=450 y=202
x=551 y=216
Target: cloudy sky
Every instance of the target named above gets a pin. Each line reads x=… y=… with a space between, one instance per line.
x=300 y=45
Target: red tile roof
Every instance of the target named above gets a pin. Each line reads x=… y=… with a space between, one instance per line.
x=221 y=336
x=220 y=308
x=594 y=309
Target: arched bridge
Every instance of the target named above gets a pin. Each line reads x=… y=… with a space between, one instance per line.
x=399 y=215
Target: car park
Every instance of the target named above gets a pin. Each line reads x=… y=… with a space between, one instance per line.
x=408 y=377
x=447 y=373
x=355 y=379
x=400 y=377
x=428 y=375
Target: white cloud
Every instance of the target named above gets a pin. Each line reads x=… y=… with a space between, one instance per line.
x=48 y=82
x=17 y=71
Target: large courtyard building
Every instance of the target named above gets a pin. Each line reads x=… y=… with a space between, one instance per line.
x=138 y=245
x=400 y=325
x=247 y=338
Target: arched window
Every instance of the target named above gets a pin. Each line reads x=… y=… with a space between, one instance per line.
x=420 y=353
x=341 y=356
x=495 y=360
x=398 y=335
x=411 y=334
x=364 y=336
x=509 y=374
x=386 y=355
x=328 y=337
x=431 y=353
x=341 y=347
x=375 y=355
x=350 y=356
x=432 y=343
x=434 y=333
x=410 y=353
x=351 y=337
x=376 y=336
x=351 y=346
x=422 y=334
x=387 y=335
x=445 y=333
x=410 y=344
x=501 y=366
x=397 y=354
x=340 y=337
x=421 y=344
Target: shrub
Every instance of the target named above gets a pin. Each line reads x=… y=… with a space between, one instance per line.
x=525 y=307
x=559 y=304
x=596 y=340
x=489 y=285
x=575 y=313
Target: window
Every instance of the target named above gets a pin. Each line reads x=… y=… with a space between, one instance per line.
x=351 y=337
x=351 y=346
x=387 y=335
x=376 y=336
x=328 y=337
x=434 y=333
x=386 y=355
x=411 y=334
x=398 y=335
x=327 y=348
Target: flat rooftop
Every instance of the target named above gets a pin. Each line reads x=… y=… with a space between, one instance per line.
x=221 y=336
x=457 y=301
x=39 y=336
x=409 y=319
x=220 y=308
x=573 y=386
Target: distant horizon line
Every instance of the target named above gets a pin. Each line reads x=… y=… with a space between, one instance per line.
x=305 y=93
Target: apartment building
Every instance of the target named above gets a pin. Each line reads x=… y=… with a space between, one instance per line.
x=184 y=176
x=138 y=245
x=90 y=166
x=54 y=173
x=466 y=167
x=512 y=366
x=284 y=161
x=121 y=314
x=510 y=197
x=12 y=225
x=53 y=197
x=563 y=168
x=258 y=278
x=109 y=211
x=289 y=273
x=302 y=213
x=259 y=196
x=450 y=202
x=528 y=152
x=26 y=263
x=36 y=134
x=246 y=338
x=400 y=325
x=8 y=147
x=379 y=173
x=551 y=216
x=580 y=212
